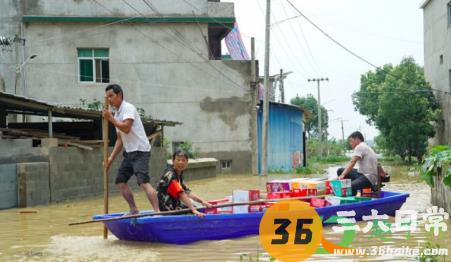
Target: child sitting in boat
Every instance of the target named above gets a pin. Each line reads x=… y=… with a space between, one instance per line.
x=172 y=192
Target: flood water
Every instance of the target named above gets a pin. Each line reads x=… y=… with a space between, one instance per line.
x=44 y=235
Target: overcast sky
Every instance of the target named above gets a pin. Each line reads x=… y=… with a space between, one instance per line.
x=382 y=31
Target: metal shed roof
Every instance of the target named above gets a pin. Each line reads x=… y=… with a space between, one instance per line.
x=23 y=105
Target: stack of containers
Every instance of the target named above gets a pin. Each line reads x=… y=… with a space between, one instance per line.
x=341 y=188
x=278 y=189
x=240 y=196
x=220 y=210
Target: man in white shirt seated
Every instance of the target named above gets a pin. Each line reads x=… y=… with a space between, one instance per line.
x=132 y=137
x=366 y=175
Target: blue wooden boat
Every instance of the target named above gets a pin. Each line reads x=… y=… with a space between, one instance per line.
x=183 y=229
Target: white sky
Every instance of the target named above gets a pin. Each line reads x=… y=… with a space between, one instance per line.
x=382 y=31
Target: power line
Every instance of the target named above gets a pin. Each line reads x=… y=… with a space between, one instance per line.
x=289 y=57
x=328 y=36
x=185 y=41
x=313 y=62
x=345 y=48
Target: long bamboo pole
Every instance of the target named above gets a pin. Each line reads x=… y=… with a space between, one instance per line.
x=105 y=168
x=179 y=211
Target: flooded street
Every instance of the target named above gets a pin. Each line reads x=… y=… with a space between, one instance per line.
x=45 y=236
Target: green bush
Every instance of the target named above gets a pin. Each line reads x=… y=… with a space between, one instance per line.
x=94 y=105
x=188 y=148
x=438 y=160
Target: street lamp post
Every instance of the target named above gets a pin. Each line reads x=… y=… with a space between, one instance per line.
x=19 y=69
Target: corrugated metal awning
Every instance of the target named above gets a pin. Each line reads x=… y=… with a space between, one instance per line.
x=28 y=106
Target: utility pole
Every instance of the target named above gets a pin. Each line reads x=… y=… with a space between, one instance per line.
x=282 y=92
x=318 y=80
x=266 y=101
x=254 y=80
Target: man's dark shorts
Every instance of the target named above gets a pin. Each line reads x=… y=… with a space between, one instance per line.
x=134 y=163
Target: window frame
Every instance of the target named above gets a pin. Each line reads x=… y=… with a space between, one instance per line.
x=225 y=165
x=93 y=59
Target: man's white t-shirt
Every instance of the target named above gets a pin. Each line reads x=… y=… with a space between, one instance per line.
x=136 y=139
x=367 y=162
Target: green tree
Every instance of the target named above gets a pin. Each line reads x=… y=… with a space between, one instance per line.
x=399 y=101
x=310 y=104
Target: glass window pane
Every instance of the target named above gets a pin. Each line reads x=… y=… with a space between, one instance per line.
x=105 y=71
x=101 y=52
x=86 y=72
x=84 y=52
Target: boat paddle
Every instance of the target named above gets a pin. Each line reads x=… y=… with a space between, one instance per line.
x=181 y=211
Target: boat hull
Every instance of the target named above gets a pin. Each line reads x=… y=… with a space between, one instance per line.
x=183 y=229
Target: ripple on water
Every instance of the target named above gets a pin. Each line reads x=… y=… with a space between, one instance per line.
x=94 y=248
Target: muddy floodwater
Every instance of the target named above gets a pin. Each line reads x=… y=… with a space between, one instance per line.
x=42 y=233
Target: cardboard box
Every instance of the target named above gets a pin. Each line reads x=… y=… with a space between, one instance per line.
x=257 y=208
x=328 y=188
x=297 y=183
x=317 y=202
x=278 y=186
x=239 y=196
x=299 y=192
x=254 y=194
x=315 y=188
x=332 y=200
x=216 y=210
x=278 y=195
x=341 y=187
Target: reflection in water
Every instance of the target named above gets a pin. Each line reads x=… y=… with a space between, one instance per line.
x=45 y=235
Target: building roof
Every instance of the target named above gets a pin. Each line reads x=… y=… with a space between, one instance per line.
x=287 y=106
x=119 y=19
x=23 y=105
x=15 y=104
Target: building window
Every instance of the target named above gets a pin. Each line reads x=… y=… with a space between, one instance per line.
x=441 y=59
x=94 y=65
x=226 y=165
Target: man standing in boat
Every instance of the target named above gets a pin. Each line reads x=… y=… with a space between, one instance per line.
x=366 y=175
x=132 y=137
x=172 y=191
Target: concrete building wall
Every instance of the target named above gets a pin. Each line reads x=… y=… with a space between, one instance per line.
x=437 y=67
x=118 y=7
x=8 y=186
x=437 y=64
x=163 y=67
x=76 y=173
x=33 y=184
x=20 y=150
x=72 y=173
x=211 y=98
